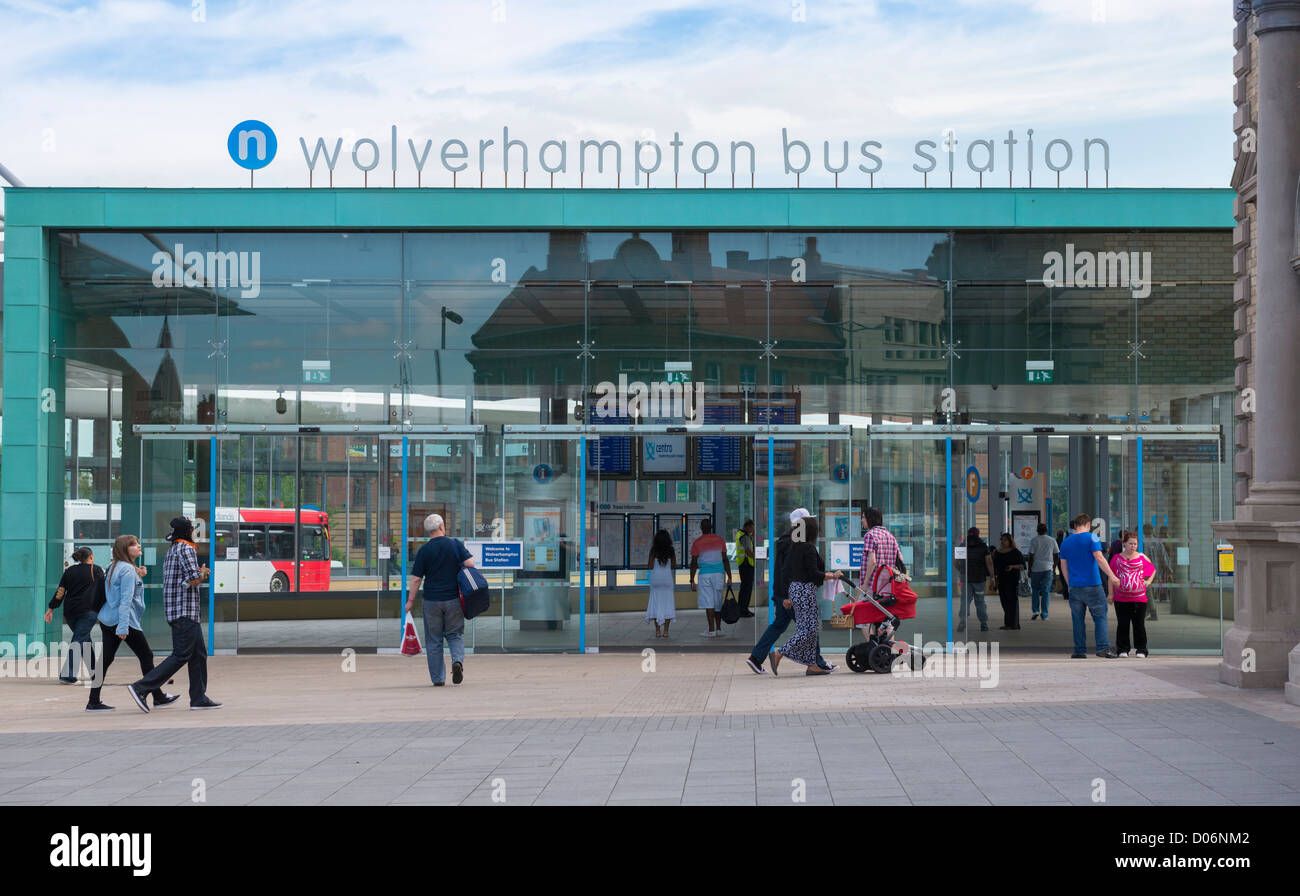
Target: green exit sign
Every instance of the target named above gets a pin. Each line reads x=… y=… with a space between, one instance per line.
x=315 y=371
x=1039 y=371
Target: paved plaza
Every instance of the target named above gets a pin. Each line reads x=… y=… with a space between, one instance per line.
x=669 y=728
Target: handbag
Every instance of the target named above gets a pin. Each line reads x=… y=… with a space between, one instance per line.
x=842 y=620
x=730 y=608
x=1023 y=589
x=101 y=591
x=991 y=585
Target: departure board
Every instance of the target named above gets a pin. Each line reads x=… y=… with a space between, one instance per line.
x=777 y=412
x=721 y=457
x=609 y=455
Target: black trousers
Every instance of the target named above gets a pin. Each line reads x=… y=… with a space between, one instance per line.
x=188 y=650
x=139 y=645
x=746 y=586
x=1008 y=593
x=1130 y=612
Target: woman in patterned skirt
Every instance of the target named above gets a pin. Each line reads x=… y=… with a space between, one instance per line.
x=806 y=573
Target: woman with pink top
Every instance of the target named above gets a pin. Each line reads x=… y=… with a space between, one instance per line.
x=1135 y=572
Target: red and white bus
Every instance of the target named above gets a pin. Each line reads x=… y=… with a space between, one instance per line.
x=265 y=540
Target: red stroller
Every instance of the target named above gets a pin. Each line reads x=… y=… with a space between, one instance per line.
x=878 y=616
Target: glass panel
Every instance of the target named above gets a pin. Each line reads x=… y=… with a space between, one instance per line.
x=441 y=479
x=813 y=473
x=177 y=477
x=1180 y=498
x=541 y=507
x=908 y=484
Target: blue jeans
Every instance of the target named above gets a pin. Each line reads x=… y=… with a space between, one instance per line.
x=974 y=591
x=443 y=619
x=80 y=647
x=1040 y=583
x=1089 y=599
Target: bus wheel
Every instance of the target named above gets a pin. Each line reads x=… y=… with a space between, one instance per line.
x=279 y=582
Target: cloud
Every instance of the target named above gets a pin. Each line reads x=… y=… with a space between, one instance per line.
x=141 y=93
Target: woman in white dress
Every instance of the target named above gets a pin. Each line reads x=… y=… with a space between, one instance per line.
x=663 y=578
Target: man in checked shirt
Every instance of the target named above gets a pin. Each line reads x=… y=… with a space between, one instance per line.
x=879 y=549
x=182 y=577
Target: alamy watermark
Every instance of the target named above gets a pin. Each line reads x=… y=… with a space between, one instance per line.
x=1117 y=270
x=664 y=400
x=39 y=659
x=212 y=270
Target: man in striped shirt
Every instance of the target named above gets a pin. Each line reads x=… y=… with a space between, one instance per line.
x=182 y=577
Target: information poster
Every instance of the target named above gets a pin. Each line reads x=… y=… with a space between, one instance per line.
x=613 y=542
x=640 y=537
x=1024 y=528
x=777 y=412
x=542 y=526
x=721 y=457
x=673 y=523
x=839 y=524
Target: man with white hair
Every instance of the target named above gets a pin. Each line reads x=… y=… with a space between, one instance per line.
x=438 y=564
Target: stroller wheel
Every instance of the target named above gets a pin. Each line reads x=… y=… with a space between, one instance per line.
x=858 y=657
x=881 y=658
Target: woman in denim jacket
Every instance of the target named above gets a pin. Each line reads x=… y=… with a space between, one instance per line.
x=122 y=617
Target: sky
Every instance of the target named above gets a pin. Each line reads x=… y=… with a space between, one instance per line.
x=146 y=92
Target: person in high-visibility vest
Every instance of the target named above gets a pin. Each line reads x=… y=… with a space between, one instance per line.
x=745 y=563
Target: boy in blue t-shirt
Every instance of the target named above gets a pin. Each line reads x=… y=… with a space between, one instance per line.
x=1083 y=564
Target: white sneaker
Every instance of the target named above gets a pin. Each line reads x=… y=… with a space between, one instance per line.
x=1124 y=655
x=1140 y=656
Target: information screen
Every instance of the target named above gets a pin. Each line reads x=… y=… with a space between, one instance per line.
x=777 y=412
x=721 y=457
x=609 y=455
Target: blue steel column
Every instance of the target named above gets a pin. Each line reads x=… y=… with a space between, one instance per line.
x=405 y=564
x=1140 y=529
x=582 y=545
x=947 y=453
x=212 y=543
x=771 y=532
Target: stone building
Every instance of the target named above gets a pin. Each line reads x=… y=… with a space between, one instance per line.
x=1261 y=649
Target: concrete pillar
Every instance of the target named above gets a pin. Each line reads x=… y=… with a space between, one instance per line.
x=1074 y=487
x=1260 y=648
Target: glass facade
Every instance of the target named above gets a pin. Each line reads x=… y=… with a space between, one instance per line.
x=483 y=331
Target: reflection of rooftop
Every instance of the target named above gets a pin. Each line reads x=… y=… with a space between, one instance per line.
x=638 y=292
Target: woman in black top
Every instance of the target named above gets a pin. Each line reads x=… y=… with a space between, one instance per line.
x=1007 y=564
x=806 y=572
x=76 y=594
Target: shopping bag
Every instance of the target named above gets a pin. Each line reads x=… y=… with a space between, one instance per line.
x=410 y=638
x=832 y=589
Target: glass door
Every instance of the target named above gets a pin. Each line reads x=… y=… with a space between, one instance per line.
x=544 y=499
x=439 y=479
x=1180 y=494
x=918 y=482
x=810 y=467
x=176 y=477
